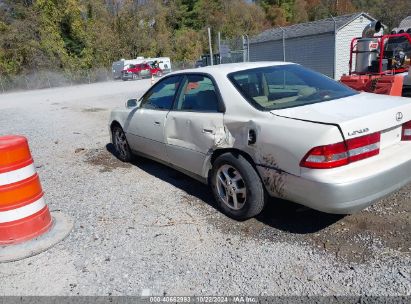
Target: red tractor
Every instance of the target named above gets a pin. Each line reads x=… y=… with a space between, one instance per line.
x=382 y=63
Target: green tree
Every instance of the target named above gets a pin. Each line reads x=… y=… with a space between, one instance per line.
x=300 y=11
x=20 y=50
x=276 y=16
x=187 y=45
x=390 y=12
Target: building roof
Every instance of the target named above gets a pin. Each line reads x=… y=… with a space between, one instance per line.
x=309 y=28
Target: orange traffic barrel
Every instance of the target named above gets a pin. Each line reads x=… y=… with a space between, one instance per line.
x=23 y=211
x=24 y=214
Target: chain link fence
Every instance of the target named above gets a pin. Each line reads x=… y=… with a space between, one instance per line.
x=52 y=79
x=234 y=50
x=182 y=65
x=43 y=79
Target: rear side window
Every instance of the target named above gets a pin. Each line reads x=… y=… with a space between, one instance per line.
x=285 y=86
x=161 y=96
x=198 y=94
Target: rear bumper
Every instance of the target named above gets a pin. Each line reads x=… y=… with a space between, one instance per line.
x=341 y=198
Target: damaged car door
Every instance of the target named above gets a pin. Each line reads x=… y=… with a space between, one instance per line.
x=193 y=122
x=145 y=131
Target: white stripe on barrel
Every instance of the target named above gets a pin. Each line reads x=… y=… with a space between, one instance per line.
x=17 y=175
x=22 y=212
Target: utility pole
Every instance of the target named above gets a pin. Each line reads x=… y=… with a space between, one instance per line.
x=283 y=43
x=335 y=45
x=244 y=46
x=219 y=47
x=209 y=44
x=219 y=43
x=248 y=47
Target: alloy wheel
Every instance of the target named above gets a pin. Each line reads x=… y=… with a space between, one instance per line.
x=120 y=142
x=231 y=187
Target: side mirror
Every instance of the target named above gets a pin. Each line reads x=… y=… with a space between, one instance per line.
x=131 y=103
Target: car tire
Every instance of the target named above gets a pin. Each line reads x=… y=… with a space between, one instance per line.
x=121 y=147
x=234 y=176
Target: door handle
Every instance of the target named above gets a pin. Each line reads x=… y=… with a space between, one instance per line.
x=157 y=123
x=208 y=131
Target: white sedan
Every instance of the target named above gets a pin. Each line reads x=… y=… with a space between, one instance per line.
x=269 y=128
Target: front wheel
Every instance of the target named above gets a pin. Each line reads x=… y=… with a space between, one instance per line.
x=122 y=149
x=159 y=74
x=237 y=187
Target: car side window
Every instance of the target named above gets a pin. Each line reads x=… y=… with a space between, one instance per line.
x=198 y=94
x=161 y=96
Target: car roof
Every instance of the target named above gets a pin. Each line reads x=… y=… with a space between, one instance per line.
x=227 y=68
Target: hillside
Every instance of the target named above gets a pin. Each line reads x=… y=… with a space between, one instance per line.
x=84 y=34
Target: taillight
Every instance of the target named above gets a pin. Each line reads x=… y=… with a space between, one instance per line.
x=406 y=131
x=343 y=153
x=364 y=146
x=325 y=157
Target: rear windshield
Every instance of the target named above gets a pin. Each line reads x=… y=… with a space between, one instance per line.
x=286 y=86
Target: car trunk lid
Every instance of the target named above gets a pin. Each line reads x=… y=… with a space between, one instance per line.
x=358 y=115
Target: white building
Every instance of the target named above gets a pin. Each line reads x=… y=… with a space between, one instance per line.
x=322 y=45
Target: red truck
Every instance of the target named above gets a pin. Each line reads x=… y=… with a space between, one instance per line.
x=141 y=70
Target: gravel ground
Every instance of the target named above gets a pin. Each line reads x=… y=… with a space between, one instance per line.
x=143 y=228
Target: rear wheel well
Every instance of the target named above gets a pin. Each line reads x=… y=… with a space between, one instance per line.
x=233 y=151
